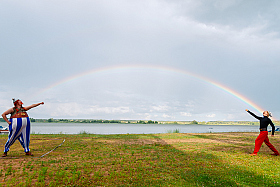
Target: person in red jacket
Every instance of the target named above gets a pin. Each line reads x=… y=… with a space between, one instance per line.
x=263 y=136
x=19 y=126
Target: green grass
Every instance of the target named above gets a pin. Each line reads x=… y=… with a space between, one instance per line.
x=172 y=159
x=174 y=131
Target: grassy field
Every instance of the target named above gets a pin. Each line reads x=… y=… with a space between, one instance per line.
x=173 y=159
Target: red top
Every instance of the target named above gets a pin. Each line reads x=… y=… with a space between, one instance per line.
x=19 y=113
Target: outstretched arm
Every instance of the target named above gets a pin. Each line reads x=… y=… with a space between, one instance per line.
x=32 y=106
x=254 y=115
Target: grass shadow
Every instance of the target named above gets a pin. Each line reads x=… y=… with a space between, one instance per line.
x=142 y=160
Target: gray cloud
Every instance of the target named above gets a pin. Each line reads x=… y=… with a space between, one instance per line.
x=235 y=43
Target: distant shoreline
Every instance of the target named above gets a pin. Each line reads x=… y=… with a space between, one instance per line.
x=194 y=122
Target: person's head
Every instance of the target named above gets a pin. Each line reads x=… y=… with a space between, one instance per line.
x=17 y=102
x=266 y=113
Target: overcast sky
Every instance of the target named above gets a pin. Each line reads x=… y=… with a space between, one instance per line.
x=232 y=42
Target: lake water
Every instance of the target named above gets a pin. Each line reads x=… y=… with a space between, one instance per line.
x=104 y=128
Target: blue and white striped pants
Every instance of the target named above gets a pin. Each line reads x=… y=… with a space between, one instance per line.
x=19 y=130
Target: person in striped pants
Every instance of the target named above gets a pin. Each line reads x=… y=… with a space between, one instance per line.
x=19 y=126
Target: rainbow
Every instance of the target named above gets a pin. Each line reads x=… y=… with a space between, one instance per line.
x=163 y=68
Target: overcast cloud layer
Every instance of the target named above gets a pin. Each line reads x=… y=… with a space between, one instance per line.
x=232 y=42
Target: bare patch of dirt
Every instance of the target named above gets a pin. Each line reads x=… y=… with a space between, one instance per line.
x=133 y=141
x=195 y=140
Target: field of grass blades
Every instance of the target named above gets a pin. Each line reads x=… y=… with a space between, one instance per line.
x=171 y=159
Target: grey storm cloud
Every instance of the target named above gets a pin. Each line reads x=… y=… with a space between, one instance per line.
x=233 y=42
